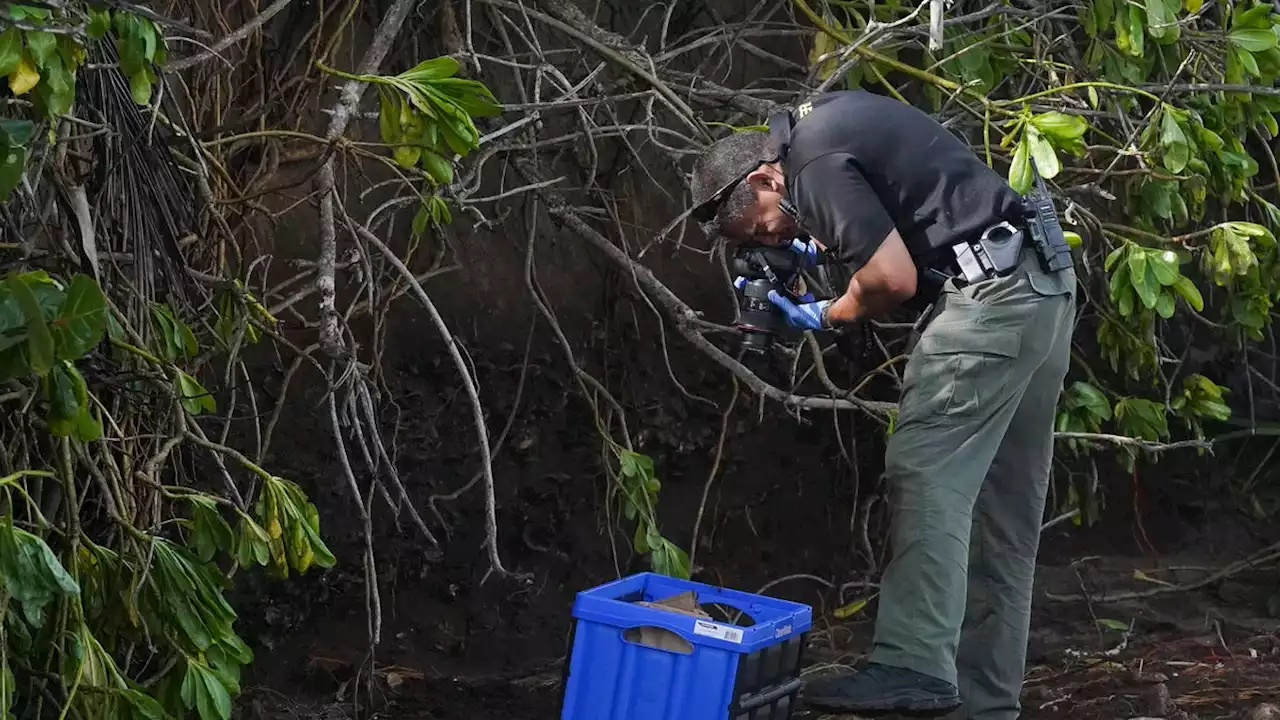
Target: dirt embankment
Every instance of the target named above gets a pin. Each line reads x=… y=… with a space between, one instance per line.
x=452 y=647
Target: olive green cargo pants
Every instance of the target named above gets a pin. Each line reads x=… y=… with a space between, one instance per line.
x=968 y=470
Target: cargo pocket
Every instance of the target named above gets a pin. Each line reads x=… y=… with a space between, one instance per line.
x=962 y=365
x=1050 y=284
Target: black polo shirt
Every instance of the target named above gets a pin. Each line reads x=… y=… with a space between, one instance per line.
x=859 y=164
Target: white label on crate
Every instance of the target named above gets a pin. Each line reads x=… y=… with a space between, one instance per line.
x=719 y=632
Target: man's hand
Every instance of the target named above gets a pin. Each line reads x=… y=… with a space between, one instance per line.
x=808 y=249
x=806 y=315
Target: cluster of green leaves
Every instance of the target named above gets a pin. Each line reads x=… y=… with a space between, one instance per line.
x=1040 y=138
x=47 y=62
x=239 y=310
x=426 y=115
x=31 y=574
x=638 y=487
x=180 y=601
x=1145 y=279
x=41 y=61
x=1085 y=408
x=177 y=343
x=1082 y=409
x=1242 y=257
x=48 y=327
x=968 y=54
x=285 y=532
x=45 y=328
x=141 y=47
x=1200 y=399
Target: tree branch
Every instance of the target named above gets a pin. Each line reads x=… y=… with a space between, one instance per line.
x=686 y=319
x=326 y=282
x=241 y=33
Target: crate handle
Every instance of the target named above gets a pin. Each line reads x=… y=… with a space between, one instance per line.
x=656 y=637
x=746 y=606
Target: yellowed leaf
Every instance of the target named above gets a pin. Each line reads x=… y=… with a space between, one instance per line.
x=852 y=608
x=1139 y=575
x=274 y=530
x=24 y=77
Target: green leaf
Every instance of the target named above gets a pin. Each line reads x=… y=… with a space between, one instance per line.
x=433 y=69
x=64 y=389
x=144 y=706
x=140 y=86
x=1246 y=60
x=195 y=399
x=1114 y=256
x=1177 y=151
x=1252 y=230
x=57 y=92
x=10 y=50
x=211 y=531
x=1161 y=21
x=203 y=692
x=668 y=559
x=1143 y=279
x=1189 y=292
x=1164 y=265
x=30 y=572
x=1251 y=15
x=421 y=219
x=15 y=132
x=13 y=162
x=99 y=23
x=641 y=540
x=1252 y=40
x=1113 y=624
x=42 y=46
x=1164 y=304
x=1046 y=159
x=389 y=129
x=1060 y=126
x=82 y=319
x=1137 y=44
x=1143 y=419
x=438 y=167
x=1158 y=197
x=1020 y=170
x=1086 y=396
x=39 y=340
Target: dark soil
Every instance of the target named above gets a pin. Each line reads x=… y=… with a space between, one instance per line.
x=455 y=642
x=1206 y=654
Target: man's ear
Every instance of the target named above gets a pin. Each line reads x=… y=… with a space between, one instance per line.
x=763 y=179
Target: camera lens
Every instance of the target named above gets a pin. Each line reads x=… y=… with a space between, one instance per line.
x=756 y=342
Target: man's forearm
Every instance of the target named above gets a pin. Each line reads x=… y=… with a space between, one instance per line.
x=857 y=303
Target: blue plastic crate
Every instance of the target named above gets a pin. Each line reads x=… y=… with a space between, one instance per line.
x=724 y=671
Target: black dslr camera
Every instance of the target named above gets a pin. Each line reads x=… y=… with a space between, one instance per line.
x=770 y=267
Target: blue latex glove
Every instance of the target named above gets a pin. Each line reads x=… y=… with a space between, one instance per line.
x=806 y=315
x=808 y=249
